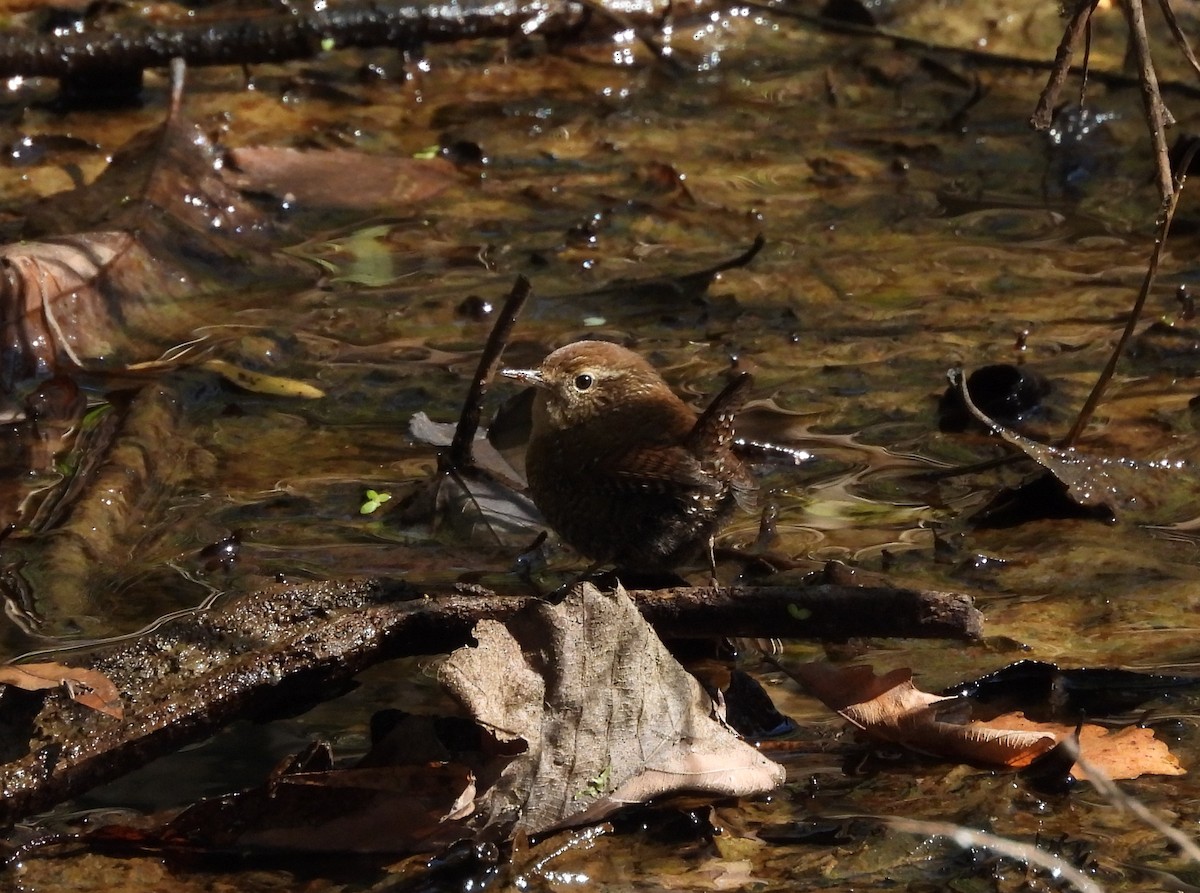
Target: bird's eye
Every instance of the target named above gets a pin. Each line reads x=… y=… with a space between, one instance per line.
x=583 y=382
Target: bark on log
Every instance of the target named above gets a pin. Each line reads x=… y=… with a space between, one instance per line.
x=243 y=40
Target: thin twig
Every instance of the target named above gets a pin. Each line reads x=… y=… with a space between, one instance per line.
x=1177 y=33
x=1160 y=242
x=1087 y=61
x=978 y=57
x=459 y=455
x=1158 y=117
x=1106 y=786
x=968 y=838
x=1076 y=25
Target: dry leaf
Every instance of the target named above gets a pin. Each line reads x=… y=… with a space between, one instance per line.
x=1119 y=484
x=892 y=709
x=261 y=382
x=1121 y=753
x=87 y=687
x=340 y=178
x=608 y=716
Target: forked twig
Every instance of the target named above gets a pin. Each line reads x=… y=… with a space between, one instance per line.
x=1077 y=24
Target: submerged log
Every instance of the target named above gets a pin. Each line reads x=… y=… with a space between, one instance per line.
x=243 y=40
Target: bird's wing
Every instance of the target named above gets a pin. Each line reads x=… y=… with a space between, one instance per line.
x=656 y=467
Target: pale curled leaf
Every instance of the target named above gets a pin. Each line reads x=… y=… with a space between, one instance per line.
x=90 y=688
x=608 y=716
x=481 y=503
x=45 y=287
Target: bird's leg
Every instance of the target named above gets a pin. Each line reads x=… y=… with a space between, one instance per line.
x=712 y=561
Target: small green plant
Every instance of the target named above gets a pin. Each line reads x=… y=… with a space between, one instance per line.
x=597 y=785
x=373 y=501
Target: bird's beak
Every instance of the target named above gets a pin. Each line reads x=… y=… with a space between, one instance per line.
x=525 y=376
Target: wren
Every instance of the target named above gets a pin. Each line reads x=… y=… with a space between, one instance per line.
x=622 y=469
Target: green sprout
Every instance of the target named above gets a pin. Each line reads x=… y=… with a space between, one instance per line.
x=799 y=613
x=373 y=501
x=597 y=785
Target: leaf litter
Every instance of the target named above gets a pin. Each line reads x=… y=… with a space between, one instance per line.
x=891 y=708
x=105 y=285
x=579 y=711
x=597 y=782
x=105 y=275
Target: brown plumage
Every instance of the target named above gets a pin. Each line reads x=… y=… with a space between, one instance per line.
x=621 y=468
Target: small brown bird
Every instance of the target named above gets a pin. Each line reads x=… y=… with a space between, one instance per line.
x=622 y=469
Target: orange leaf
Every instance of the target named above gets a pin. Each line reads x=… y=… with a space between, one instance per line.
x=1120 y=753
x=87 y=687
x=892 y=709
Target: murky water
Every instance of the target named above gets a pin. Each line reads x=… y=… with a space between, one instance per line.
x=912 y=222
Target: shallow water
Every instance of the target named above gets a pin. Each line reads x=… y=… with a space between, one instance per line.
x=912 y=222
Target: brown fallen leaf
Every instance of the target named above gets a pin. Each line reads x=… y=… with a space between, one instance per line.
x=105 y=275
x=891 y=708
x=608 y=716
x=90 y=688
x=1120 y=753
x=339 y=178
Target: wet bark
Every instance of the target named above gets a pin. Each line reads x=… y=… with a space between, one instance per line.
x=242 y=40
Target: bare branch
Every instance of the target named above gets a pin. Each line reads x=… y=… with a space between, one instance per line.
x=281 y=645
x=1158 y=117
